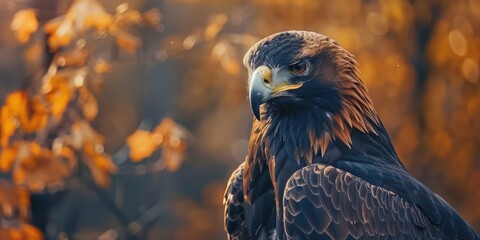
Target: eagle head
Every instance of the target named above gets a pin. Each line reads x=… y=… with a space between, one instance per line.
x=306 y=75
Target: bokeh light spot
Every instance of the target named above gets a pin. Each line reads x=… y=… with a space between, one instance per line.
x=457 y=42
x=377 y=23
x=470 y=70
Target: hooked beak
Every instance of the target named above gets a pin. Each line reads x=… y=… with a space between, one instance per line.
x=265 y=85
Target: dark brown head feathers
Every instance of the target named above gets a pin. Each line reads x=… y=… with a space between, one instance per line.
x=326 y=119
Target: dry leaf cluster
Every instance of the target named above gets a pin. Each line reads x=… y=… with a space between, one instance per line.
x=168 y=136
x=46 y=136
x=14 y=205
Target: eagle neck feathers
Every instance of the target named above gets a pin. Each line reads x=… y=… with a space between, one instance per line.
x=309 y=136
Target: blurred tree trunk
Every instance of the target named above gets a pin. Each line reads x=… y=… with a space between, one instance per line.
x=423 y=31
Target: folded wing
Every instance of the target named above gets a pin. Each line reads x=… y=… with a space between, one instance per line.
x=324 y=202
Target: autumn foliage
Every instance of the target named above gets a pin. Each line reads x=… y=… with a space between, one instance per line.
x=46 y=136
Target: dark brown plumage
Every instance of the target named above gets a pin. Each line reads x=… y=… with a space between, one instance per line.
x=320 y=164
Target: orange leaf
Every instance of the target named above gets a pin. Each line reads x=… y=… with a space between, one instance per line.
x=174 y=150
x=7 y=158
x=215 y=26
x=174 y=143
x=52 y=25
x=100 y=164
x=59 y=98
x=13 y=114
x=127 y=17
x=23 y=232
x=83 y=133
x=8 y=124
x=34 y=52
x=167 y=127
x=152 y=17
x=88 y=103
x=142 y=144
x=77 y=57
x=80 y=17
x=38 y=118
x=100 y=177
x=62 y=151
x=24 y=23
x=87 y=14
x=128 y=42
x=19 y=111
x=173 y=158
x=101 y=160
x=225 y=54
x=101 y=22
x=15 y=200
x=39 y=166
x=164 y=126
x=105 y=162
x=18 y=103
x=61 y=30
x=63 y=35
x=31 y=233
x=102 y=66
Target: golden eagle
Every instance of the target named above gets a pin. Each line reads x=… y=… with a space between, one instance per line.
x=320 y=164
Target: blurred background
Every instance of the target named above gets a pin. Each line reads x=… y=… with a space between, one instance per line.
x=419 y=60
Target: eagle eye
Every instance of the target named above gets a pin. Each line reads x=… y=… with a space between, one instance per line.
x=298 y=68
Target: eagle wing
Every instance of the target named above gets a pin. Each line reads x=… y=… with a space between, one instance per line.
x=233 y=201
x=254 y=219
x=326 y=202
